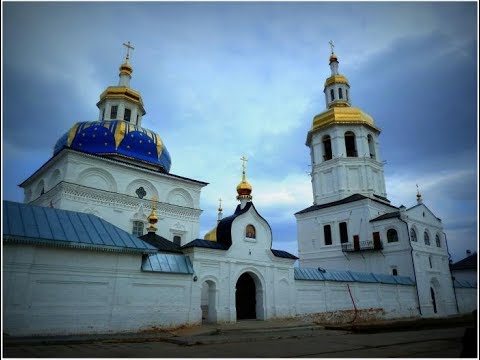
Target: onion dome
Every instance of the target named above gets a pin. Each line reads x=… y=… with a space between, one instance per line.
x=244 y=189
x=117 y=139
x=333 y=58
x=126 y=69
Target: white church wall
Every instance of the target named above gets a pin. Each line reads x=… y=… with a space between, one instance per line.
x=71 y=291
x=372 y=300
x=108 y=190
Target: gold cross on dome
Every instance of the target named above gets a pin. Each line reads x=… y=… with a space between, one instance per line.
x=154 y=202
x=243 y=158
x=128 y=46
x=331 y=45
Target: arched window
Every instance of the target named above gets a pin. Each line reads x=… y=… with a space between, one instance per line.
x=392 y=235
x=250 y=232
x=371 y=146
x=413 y=235
x=332 y=95
x=426 y=238
x=346 y=92
x=327 y=147
x=430 y=261
x=137 y=229
x=437 y=240
x=350 y=145
x=394 y=272
x=340 y=93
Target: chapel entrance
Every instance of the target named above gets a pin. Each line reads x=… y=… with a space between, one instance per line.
x=245 y=295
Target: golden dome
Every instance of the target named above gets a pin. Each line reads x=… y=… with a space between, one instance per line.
x=244 y=188
x=341 y=116
x=211 y=235
x=336 y=79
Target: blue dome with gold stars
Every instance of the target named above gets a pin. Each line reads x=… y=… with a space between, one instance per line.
x=117 y=138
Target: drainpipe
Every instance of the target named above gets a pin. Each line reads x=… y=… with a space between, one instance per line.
x=453 y=284
x=413 y=263
x=353 y=301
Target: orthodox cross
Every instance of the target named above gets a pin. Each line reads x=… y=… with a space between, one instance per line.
x=128 y=46
x=243 y=158
x=154 y=202
x=330 y=42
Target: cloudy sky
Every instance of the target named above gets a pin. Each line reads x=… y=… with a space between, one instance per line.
x=222 y=80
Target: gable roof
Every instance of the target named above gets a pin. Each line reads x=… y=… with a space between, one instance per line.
x=469 y=263
x=29 y=224
x=224 y=227
x=391 y=215
x=426 y=207
x=160 y=243
x=349 y=199
x=283 y=254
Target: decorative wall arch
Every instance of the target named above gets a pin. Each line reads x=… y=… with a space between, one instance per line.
x=97 y=178
x=180 y=197
x=415 y=231
x=150 y=189
x=209 y=298
x=54 y=178
x=426 y=237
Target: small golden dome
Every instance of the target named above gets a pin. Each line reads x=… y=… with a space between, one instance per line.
x=244 y=188
x=211 y=235
x=333 y=58
x=126 y=68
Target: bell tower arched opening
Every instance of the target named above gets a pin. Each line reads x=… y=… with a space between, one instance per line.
x=350 y=144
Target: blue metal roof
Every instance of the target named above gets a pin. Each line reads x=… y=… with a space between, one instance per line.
x=206 y=244
x=283 y=254
x=463 y=284
x=167 y=263
x=48 y=226
x=319 y=274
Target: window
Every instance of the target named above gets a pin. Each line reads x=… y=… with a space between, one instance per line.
x=327 y=233
x=430 y=261
x=137 y=119
x=327 y=148
x=250 y=232
x=113 y=112
x=426 y=238
x=350 y=144
x=346 y=93
x=340 y=93
x=371 y=146
x=177 y=240
x=127 y=114
x=343 y=232
x=413 y=235
x=137 y=228
x=394 y=272
x=332 y=95
x=392 y=235
x=103 y=114
x=437 y=240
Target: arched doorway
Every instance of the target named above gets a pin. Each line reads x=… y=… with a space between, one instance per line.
x=245 y=297
x=208 y=302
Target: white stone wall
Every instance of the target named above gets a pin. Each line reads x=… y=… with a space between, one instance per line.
x=70 y=291
x=392 y=301
x=85 y=183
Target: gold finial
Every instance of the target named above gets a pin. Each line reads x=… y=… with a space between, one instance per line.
x=244 y=189
x=419 y=196
x=152 y=218
x=220 y=205
x=331 y=45
x=128 y=46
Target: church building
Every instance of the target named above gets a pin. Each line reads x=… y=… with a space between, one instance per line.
x=107 y=239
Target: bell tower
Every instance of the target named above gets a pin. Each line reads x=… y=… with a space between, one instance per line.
x=343 y=145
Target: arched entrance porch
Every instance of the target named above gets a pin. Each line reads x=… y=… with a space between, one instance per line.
x=249 y=297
